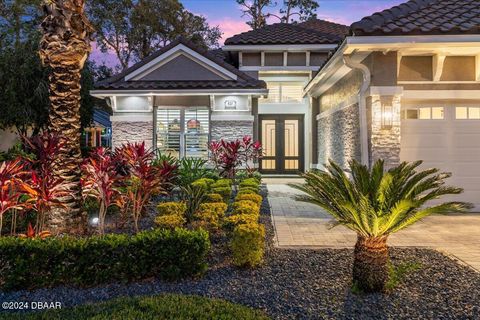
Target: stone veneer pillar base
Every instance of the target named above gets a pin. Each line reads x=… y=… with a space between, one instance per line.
x=132 y=131
x=230 y=130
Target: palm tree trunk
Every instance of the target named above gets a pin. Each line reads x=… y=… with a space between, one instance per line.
x=64 y=48
x=370 y=266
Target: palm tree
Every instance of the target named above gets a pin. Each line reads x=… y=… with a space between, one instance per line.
x=64 y=48
x=376 y=203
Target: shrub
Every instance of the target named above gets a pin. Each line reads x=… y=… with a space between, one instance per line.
x=250 y=197
x=200 y=184
x=172 y=208
x=213 y=197
x=253 y=181
x=246 y=191
x=225 y=192
x=246 y=204
x=247 y=244
x=194 y=197
x=170 y=221
x=222 y=183
x=234 y=220
x=253 y=185
x=210 y=215
x=191 y=169
x=207 y=181
x=162 y=253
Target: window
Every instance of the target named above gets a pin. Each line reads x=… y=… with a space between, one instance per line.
x=183 y=132
x=464 y=113
x=424 y=113
x=284 y=92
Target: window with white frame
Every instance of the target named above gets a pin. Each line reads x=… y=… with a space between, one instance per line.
x=467 y=113
x=284 y=92
x=424 y=113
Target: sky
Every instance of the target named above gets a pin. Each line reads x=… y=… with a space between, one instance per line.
x=227 y=15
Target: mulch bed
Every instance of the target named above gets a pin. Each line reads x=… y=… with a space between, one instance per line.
x=308 y=284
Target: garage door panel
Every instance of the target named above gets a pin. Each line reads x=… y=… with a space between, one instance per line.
x=450 y=145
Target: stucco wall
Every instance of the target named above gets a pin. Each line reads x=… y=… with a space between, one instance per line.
x=126 y=131
x=341 y=91
x=230 y=130
x=339 y=136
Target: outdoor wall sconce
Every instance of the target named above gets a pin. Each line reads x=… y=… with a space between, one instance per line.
x=230 y=105
x=387 y=116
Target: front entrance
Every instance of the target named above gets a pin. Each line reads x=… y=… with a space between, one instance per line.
x=282 y=138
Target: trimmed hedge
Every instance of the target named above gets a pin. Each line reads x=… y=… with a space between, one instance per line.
x=36 y=263
x=248 y=244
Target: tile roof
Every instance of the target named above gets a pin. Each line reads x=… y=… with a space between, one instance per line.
x=423 y=17
x=243 y=81
x=318 y=32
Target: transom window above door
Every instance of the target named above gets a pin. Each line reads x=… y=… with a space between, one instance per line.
x=183 y=132
x=284 y=92
x=470 y=113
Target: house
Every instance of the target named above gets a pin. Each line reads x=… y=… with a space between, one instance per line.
x=402 y=84
x=99 y=132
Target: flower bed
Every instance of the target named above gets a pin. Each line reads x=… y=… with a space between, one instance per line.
x=36 y=263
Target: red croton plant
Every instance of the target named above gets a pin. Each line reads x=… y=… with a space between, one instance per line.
x=10 y=186
x=229 y=156
x=99 y=181
x=140 y=178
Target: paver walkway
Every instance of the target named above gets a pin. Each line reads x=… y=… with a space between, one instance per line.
x=299 y=224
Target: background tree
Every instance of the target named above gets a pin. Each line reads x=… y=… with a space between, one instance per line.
x=25 y=105
x=134 y=29
x=64 y=48
x=289 y=12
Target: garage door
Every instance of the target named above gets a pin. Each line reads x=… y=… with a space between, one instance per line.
x=446 y=137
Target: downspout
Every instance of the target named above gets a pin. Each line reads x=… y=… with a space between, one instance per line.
x=362 y=105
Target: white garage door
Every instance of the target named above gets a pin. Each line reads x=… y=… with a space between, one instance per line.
x=446 y=137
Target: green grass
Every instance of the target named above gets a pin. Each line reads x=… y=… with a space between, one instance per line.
x=169 y=306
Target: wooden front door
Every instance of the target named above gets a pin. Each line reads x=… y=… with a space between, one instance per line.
x=282 y=138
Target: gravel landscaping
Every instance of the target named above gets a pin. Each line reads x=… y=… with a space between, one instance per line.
x=309 y=284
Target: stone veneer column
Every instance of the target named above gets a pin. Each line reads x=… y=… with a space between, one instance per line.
x=132 y=131
x=230 y=130
x=339 y=136
x=384 y=143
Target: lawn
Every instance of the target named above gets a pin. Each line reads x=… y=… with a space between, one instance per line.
x=170 y=306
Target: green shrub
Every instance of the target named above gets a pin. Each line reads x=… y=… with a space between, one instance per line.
x=35 y=263
x=210 y=216
x=218 y=208
x=171 y=208
x=250 y=197
x=248 y=189
x=247 y=244
x=250 y=181
x=225 y=192
x=170 y=221
x=232 y=221
x=203 y=183
x=213 y=197
x=165 y=306
x=222 y=183
x=246 y=204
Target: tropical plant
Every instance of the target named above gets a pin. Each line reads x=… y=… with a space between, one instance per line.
x=141 y=181
x=99 y=182
x=168 y=169
x=45 y=191
x=193 y=196
x=64 y=48
x=10 y=172
x=376 y=203
x=229 y=156
x=32 y=233
x=191 y=169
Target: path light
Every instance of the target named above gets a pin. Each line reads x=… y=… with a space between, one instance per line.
x=387 y=115
x=94 y=221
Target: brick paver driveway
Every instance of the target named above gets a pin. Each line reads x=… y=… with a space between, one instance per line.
x=299 y=224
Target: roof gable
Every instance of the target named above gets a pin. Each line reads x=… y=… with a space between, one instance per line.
x=173 y=64
x=423 y=17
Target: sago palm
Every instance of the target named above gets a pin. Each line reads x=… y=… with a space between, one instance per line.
x=64 y=48
x=376 y=203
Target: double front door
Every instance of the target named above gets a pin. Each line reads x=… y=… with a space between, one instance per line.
x=282 y=138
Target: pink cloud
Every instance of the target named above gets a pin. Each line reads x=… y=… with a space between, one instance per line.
x=230 y=27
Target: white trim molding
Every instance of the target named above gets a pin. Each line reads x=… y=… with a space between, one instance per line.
x=279 y=68
x=192 y=92
x=216 y=116
x=281 y=47
x=441 y=94
x=173 y=53
x=385 y=91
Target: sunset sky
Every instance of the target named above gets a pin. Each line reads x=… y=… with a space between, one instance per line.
x=227 y=15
